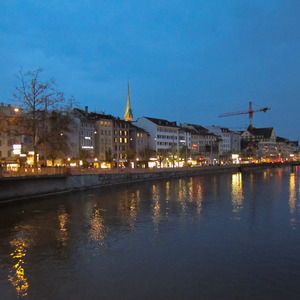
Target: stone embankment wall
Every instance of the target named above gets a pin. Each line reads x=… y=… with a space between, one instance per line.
x=19 y=188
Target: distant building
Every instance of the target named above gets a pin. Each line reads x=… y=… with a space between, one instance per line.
x=204 y=144
x=264 y=142
x=10 y=142
x=163 y=133
x=235 y=142
x=225 y=139
x=104 y=126
x=138 y=139
x=286 y=149
x=120 y=141
x=83 y=136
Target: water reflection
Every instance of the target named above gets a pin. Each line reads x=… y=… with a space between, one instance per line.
x=17 y=275
x=63 y=219
x=167 y=198
x=197 y=190
x=169 y=211
x=156 y=207
x=97 y=230
x=190 y=189
x=294 y=199
x=129 y=206
x=182 y=195
x=237 y=193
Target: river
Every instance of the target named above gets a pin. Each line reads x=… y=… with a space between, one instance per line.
x=225 y=236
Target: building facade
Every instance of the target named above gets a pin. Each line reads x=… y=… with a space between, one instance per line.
x=120 y=141
x=163 y=134
x=138 y=141
x=263 y=143
x=11 y=143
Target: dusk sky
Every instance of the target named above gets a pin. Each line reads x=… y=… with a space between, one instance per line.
x=186 y=61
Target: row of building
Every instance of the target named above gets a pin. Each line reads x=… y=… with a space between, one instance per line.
x=110 y=141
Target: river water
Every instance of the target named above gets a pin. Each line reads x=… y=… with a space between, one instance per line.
x=226 y=236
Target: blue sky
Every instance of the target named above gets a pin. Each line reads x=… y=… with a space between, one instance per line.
x=187 y=61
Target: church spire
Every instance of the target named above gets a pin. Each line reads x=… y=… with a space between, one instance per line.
x=128 y=112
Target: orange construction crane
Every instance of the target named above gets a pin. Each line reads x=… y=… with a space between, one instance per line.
x=250 y=111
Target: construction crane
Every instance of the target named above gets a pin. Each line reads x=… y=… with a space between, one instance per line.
x=250 y=111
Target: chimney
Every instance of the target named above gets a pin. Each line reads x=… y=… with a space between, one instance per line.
x=86 y=109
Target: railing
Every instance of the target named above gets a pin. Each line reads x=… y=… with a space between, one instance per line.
x=21 y=172
x=52 y=171
x=56 y=171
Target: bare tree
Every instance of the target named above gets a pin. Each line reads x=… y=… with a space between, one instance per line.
x=58 y=127
x=36 y=97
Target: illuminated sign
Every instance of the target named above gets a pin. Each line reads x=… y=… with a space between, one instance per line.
x=17 y=149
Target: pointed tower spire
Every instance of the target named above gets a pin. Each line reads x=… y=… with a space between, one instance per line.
x=128 y=111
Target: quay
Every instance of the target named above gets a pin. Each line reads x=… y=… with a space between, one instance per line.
x=43 y=182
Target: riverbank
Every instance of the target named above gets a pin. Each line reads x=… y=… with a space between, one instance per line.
x=14 y=189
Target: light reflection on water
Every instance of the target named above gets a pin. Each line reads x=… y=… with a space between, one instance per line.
x=156 y=207
x=294 y=203
x=63 y=219
x=97 y=231
x=17 y=275
x=158 y=231
x=237 y=193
